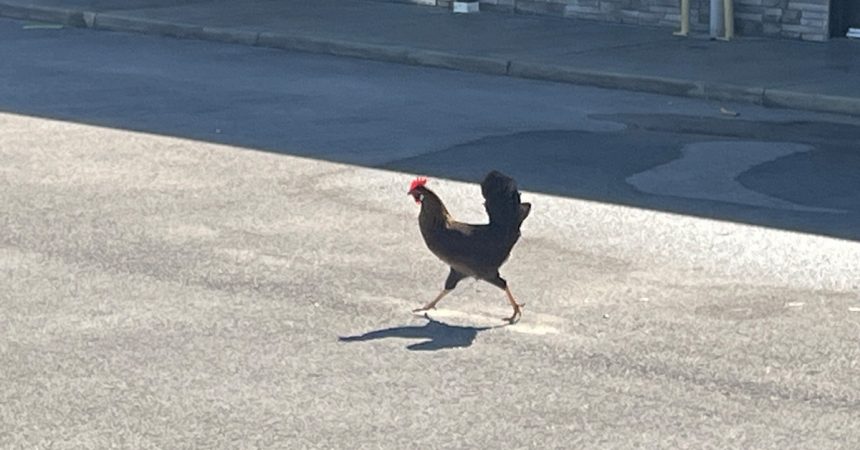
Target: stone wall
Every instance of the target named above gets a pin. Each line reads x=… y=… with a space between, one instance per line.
x=798 y=19
x=803 y=19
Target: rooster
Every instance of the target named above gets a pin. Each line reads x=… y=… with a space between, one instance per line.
x=473 y=250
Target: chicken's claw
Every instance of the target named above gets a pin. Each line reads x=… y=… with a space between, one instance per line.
x=432 y=305
x=518 y=313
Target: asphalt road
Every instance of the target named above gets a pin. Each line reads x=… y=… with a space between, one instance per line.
x=205 y=245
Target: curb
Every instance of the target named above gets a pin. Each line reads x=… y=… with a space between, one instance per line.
x=333 y=47
x=611 y=80
x=777 y=98
x=64 y=16
x=773 y=98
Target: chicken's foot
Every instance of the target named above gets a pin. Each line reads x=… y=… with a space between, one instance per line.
x=432 y=305
x=518 y=307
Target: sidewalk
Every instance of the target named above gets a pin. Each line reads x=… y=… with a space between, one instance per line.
x=778 y=73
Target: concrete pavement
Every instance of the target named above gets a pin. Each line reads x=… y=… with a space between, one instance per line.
x=161 y=292
x=776 y=73
x=180 y=258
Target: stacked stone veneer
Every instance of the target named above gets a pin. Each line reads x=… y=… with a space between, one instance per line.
x=804 y=19
x=800 y=19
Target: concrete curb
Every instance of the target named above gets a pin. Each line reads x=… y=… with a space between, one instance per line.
x=311 y=44
x=611 y=80
x=119 y=22
x=465 y=63
x=114 y=21
x=64 y=16
x=777 y=98
x=731 y=92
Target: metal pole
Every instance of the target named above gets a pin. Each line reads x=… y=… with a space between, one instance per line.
x=716 y=18
x=729 y=11
x=685 y=19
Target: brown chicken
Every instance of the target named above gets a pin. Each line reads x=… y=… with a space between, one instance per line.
x=473 y=250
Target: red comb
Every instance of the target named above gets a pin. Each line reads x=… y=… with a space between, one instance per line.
x=418 y=182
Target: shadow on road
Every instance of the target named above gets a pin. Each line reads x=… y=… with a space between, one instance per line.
x=798 y=176
x=437 y=335
x=793 y=175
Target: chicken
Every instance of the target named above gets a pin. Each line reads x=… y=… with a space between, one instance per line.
x=473 y=250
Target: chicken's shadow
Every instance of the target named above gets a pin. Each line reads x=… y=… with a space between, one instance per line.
x=438 y=335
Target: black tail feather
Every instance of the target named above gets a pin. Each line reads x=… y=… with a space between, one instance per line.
x=502 y=200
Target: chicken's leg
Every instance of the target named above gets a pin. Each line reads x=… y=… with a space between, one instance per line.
x=454 y=277
x=518 y=307
x=432 y=304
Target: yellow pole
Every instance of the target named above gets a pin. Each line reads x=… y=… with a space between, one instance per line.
x=729 y=19
x=685 y=19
